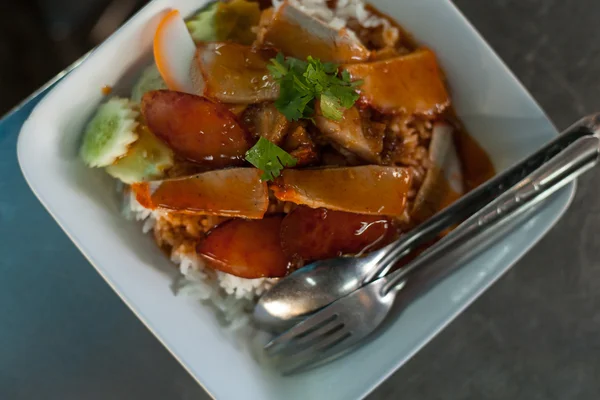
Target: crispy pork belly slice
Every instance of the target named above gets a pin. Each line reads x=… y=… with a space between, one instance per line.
x=297 y=34
x=236 y=192
x=354 y=134
x=264 y=120
x=410 y=84
x=371 y=189
x=234 y=73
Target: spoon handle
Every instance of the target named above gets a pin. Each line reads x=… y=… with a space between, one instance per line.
x=501 y=213
x=480 y=197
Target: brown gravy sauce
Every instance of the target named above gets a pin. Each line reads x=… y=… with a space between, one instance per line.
x=476 y=163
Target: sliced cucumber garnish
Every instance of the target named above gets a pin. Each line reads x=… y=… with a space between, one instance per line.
x=109 y=134
x=234 y=20
x=222 y=21
x=202 y=26
x=148 y=81
x=147 y=159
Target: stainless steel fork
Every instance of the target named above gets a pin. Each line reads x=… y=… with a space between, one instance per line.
x=344 y=324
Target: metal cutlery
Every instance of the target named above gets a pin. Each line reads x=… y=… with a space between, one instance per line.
x=316 y=285
x=345 y=323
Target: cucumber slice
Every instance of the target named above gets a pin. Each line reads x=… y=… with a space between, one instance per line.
x=222 y=21
x=202 y=26
x=234 y=21
x=110 y=132
x=147 y=159
x=148 y=81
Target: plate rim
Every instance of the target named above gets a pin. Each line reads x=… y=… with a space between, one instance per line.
x=27 y=130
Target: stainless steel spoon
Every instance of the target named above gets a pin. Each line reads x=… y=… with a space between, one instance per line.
x=318 y=284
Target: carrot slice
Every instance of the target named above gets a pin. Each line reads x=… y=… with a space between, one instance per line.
x=373 y=190
x=174 y=52
x=407 y=84
x=236 y=192
x=248 y=249
x=195 y=128
x=317 y=233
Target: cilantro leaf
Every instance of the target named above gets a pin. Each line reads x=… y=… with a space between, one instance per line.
x=269 y=158
x=346 y=76
x=295 y=108
x=331 y=107
x=346 y=95
x=303 y=82
x=298 y=66
x=278 y=68
x=330 y=68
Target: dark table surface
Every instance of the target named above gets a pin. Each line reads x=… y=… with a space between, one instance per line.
x=534 y=335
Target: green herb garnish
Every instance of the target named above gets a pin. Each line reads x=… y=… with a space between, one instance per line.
x=303 y=82
x=269 y=158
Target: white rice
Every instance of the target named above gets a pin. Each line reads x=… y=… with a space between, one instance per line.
x=232 y=298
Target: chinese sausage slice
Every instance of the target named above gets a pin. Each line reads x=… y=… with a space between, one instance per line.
x=246 y=248
x=312 y=234
x=196 y=128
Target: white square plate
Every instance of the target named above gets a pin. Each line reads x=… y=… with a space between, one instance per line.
x=496 y=109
